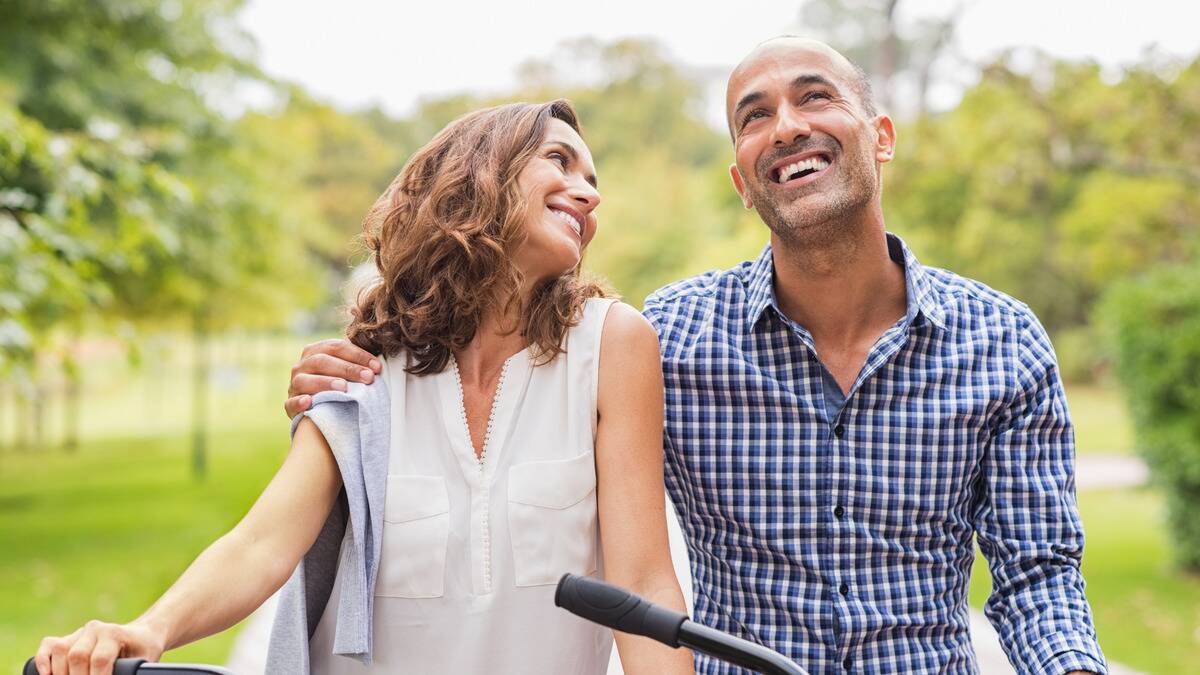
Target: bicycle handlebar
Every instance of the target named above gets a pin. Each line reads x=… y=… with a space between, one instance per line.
x=144 y=667
x=628 y=612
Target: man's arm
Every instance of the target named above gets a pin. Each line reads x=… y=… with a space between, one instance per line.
x=1028 y=524
x=328 y=365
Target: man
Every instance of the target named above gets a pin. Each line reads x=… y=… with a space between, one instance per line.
x=843 y=421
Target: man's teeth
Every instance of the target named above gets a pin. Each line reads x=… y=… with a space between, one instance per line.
x=811 y=164
x=568 y=219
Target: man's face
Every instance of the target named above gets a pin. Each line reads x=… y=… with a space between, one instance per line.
x=805 y=151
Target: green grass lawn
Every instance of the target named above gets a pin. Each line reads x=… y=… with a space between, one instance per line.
x=1147 y=614
x=102 y=533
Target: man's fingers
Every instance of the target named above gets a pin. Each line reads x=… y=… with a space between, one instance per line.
x=344 y=350
x=325 y=365
x=330 y=367
x=297 y=404
x=314 y=384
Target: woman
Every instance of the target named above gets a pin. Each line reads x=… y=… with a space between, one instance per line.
x=515 y=425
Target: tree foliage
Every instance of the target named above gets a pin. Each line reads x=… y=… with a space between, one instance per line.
x=1053 y=184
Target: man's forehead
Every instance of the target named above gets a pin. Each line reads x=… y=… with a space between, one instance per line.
x=784 y=56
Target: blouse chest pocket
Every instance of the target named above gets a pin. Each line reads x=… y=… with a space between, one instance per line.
x=552 y=519
x=416 y=526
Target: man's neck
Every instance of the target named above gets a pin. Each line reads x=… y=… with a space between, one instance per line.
x=843 y=288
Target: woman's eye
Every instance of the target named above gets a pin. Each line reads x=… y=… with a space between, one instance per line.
x=560 y=158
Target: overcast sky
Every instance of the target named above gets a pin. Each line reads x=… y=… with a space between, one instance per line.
x=361 y=52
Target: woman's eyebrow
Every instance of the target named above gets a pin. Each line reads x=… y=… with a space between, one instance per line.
x=574 y=154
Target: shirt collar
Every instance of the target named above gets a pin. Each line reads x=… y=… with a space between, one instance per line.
x=921 y=297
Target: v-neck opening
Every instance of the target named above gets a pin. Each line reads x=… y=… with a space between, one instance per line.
x=514 y=374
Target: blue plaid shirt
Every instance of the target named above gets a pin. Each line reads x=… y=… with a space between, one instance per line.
x=838 y=530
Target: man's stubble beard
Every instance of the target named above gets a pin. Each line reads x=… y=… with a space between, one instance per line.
x=824 y=223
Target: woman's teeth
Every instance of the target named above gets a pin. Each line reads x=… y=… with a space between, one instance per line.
x=805 y=167
x=569 y=220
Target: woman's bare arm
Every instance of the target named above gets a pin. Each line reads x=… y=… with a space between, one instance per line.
x=629 y=476
x=231 y=578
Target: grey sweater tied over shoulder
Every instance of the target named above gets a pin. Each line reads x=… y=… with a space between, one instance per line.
x=356 y=424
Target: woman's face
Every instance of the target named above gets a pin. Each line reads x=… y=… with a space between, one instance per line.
x=559 y=184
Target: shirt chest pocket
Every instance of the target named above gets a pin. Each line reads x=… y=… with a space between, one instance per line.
x=416 y=525
x=552 y=519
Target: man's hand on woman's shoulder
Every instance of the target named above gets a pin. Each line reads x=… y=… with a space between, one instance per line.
x=328 y=365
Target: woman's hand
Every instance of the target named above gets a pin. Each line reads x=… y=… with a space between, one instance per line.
x=324 y=366
x=95 y=647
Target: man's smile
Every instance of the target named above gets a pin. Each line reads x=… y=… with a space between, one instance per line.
x=799 y=169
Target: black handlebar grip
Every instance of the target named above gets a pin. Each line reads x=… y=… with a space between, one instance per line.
x=618 y=608
x=121 y=667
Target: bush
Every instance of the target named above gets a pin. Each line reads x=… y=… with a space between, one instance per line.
x=1154 y=326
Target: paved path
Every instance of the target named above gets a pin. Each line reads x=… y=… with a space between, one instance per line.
x=1109 y=472
x=1092 y=473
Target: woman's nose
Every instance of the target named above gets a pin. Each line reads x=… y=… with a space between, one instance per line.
x=585 y=194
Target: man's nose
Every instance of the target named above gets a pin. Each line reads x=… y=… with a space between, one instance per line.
x=790 y=126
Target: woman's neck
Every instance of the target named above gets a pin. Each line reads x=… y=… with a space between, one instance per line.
x=498 y=338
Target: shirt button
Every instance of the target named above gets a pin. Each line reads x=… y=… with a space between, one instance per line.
x=844 y=589
x=847 y=662
x=838 y=511
x=839 y=431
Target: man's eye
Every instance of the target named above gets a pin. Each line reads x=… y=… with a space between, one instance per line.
x=813 y=95
x=753 y=115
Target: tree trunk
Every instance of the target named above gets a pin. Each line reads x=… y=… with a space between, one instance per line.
x=200 y=380
x=37 y=410
x=71 y=401
x=889 y=55
x=3 y=411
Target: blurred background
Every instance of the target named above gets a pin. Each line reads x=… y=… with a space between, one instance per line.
x=182 y=184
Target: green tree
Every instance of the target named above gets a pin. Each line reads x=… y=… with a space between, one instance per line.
x=132 y=198
x=1053 y=182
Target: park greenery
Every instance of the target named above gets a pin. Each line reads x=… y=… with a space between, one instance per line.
x=142 y=205
x=1160 y=370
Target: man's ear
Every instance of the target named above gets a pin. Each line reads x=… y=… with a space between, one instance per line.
x=885 y=139
x=740 y=186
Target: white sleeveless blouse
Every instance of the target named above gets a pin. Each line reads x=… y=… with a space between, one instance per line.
x=472 y=549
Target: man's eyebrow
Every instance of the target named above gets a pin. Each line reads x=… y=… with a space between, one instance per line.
x=570 y=150
x=798 y=83
x=810 y=79
x=748 y=99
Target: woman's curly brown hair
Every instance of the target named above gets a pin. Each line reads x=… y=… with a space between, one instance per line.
x=443 y=236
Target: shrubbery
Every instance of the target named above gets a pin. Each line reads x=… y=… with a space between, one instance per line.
x=1155 y=328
